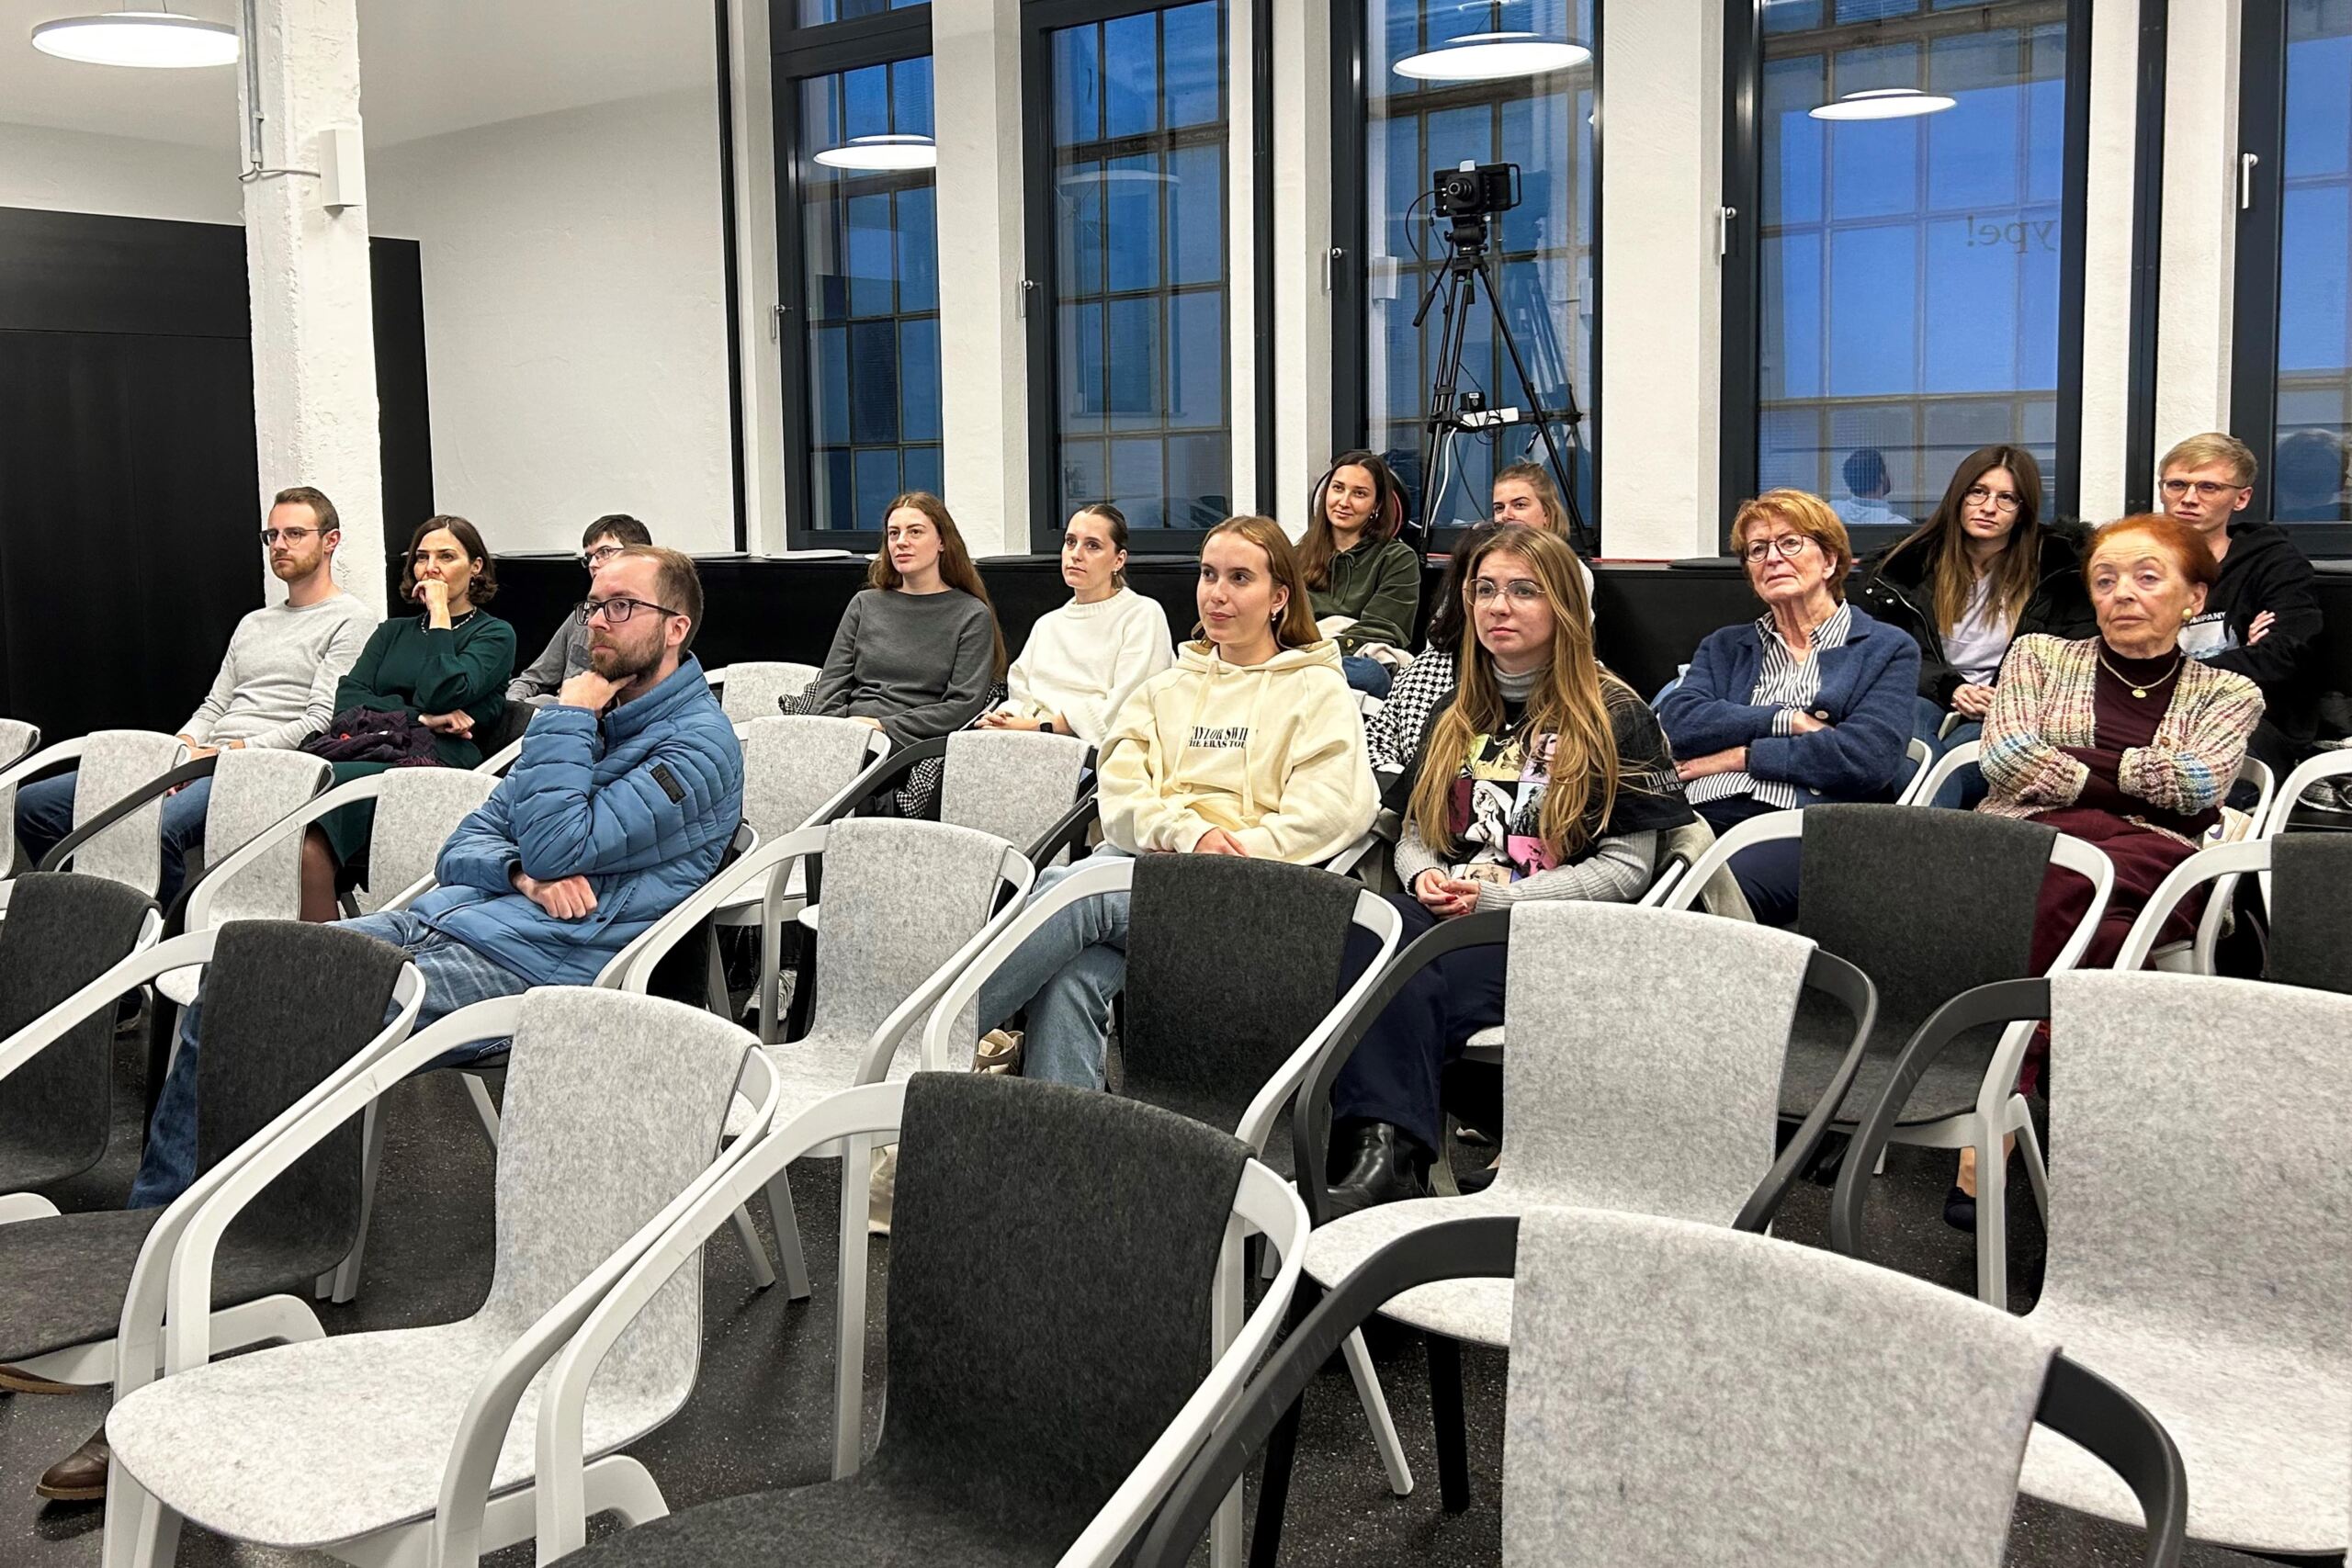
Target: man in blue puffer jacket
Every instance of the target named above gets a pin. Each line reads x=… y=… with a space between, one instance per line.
x=626 y=792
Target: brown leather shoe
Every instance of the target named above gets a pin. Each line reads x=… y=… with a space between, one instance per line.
x=80 y=1476
x=16 y=1380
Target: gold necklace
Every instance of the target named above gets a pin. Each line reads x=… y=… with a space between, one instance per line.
x=2137 y=690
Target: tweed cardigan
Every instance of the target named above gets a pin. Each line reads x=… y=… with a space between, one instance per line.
x=2047 y=698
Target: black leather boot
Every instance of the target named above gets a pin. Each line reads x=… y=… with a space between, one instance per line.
x=1389 y=1166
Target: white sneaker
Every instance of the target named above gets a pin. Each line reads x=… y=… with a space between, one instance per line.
x=881 y=1186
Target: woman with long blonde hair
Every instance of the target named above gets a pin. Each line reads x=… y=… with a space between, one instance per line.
x=1542 y=776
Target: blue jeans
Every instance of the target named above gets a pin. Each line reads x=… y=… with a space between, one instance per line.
x=455 y=976
x=1369 y=676
x=1965 y=788
x=45 y=816
x=1066 y=975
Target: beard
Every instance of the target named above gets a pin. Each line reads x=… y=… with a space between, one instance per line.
x=616 y=663
x=294 y=567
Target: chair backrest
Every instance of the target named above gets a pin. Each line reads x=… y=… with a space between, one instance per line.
x=62 y=931
x=748 y=691
x=285 y=1005
x=417 y=811
x=900 y=899
x=794 y=763
x=1093 y=1222
x=1015 y=784
x=113 y=763
x=1684 y=1394
x=1928 y=904
x=614 y=1103
x=2204 y=1185
x=1231 y=964
x=2310 y=911
x=253 y=787
x=1646 y=1049
x=17 y=740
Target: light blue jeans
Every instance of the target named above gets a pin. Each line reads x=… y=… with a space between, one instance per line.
x=1066 y=975
x=1966 y=787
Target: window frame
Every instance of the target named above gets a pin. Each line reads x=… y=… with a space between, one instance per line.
x=1348 y=259
x=1738 y=462
x=1039 y=286
x=799 y=54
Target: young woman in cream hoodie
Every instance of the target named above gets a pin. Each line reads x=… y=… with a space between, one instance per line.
x=1250 y=746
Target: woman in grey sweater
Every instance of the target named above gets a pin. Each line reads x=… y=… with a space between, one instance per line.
x=918 y=652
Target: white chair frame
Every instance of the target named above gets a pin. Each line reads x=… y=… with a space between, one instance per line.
x=141 y=1532
x=1999 y=1110
x=2307 y=772
x=45 y=757
x=1923 y=763
x=849 y=1124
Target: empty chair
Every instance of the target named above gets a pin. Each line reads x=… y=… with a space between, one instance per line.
x=1019 y=784
x=2307 y=887
x=1599 y=997
x=2309 y=773
x=2196 y=1256
x=748 y=691
x=109 y=764
x=614 y=1108
x=82 y=1295
x=1094 y=1224
x=1682 y=1393
x=56 y=1095
x=1928 y=904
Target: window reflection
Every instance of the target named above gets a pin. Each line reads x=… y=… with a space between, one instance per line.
x=2314 y=396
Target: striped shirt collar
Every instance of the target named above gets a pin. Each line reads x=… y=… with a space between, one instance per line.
x=1831 y=633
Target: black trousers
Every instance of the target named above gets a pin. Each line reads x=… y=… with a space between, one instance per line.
x=1396 y=1073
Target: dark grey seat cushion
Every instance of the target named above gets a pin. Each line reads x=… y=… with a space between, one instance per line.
x=1928 y=904
x=62 y=931
x=2310 y=911
x=859 y=1523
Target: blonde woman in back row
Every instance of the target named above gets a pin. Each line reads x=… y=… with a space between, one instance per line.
x=1084 y=659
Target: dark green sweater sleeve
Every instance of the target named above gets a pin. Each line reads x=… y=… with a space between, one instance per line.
x=358 y=689
x=1387 y=613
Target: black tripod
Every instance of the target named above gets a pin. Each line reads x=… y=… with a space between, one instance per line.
x=1465 y=270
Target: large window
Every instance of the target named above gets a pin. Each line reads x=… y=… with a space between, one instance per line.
x=1131 y=208
x=2293 y=399
x=1900 y=295
x=1542 y=254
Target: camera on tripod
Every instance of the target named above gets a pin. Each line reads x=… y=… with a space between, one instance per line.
x=1475 y=191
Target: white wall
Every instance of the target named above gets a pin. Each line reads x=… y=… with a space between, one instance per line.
x=74 y=170
x=574 y=318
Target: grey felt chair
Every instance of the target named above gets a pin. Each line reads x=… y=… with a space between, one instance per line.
x=2196 y=1254
x=17 y=742
x=913 y=904
x=749 y=689
x=1682 y=1393
x=109 y=764
x=57 y=1095
x=1596 y=997
x=290 y=1007
x=1021 y=785
x=416 y=810
x=615 y=1106
x=1096 y=1225
x=1928 y=904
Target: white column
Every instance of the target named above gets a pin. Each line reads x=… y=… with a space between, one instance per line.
x=2199 y=247
x=2107 y=257
x=313 y=323
x=766 y=407
x=1661 y=282
x=983 y=339
x=1244 y=332
x=1302 y=328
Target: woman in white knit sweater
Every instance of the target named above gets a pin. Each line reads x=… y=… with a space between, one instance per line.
x=1084 y=659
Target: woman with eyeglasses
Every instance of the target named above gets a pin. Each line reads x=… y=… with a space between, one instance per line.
x=1978 y=574
x=1810 y=701
x=446 y=666
x=1542 y=776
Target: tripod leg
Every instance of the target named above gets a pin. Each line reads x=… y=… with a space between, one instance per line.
x=1560 y=473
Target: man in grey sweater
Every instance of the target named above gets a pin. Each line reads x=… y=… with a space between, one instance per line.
x=276 y=687
x=566 y=654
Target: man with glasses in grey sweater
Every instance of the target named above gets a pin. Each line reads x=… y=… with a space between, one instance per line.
x=276 y=687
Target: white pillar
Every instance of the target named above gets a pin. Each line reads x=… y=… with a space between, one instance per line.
x=313 y=322
x=2106 y=258
x=2199 y=247
x=1661 y=281
x=983 y=339
x=765 y=403
x=1245 y=334
x=1302 y=327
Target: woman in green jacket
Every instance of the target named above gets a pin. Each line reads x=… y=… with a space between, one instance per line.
x=1357 y=570
x=448 y=665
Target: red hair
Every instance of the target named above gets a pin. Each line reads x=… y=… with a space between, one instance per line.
x=2179 y=540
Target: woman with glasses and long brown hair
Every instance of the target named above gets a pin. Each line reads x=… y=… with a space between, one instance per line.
x=1810 y=702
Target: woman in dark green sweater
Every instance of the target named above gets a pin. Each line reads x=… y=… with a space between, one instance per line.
x=1357 y=570
x=448 y=665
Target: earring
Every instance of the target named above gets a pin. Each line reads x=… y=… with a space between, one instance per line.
x=2188 y=614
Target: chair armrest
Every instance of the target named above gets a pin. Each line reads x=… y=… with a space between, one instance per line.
x=1668 y=875
x=2080 y=1404
x=1769 y=828
x=883 y=774
x=43 y=760
x=1005 y=936
x=154 y=789
x=1344 y=863
x=1015 y=871
x=2212 y=863
x=1377 y=915
x=1824 y=972
x=1069 y=832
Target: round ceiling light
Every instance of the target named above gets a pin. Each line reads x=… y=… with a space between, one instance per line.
x=1492 y=57
x=156 y=40
x=1883 y=103
x=888 y=153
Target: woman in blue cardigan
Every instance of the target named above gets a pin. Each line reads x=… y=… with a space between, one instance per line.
x=1810 y=702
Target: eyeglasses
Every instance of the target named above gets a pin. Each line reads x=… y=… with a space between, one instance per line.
x=593 y=559
x=616 y=611
x=2002 y=500
x=1485 y=590
x=1788 y=545
x=291 y=535
x=2207 y=490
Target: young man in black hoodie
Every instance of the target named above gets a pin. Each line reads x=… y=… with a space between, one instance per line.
x=2262 y=619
